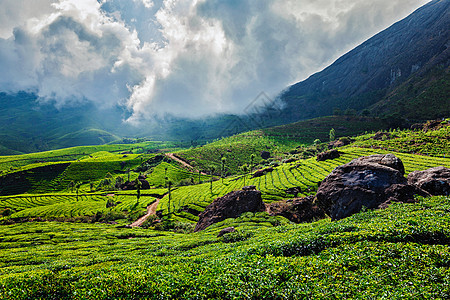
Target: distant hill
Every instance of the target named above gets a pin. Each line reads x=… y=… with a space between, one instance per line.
x=406 y=63
x=400 y=74
x=28 y=126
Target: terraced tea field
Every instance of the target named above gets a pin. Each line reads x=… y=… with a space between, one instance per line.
x=52 y=206
x=301 y=173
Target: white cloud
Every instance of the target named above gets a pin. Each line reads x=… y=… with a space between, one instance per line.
x=182 y=57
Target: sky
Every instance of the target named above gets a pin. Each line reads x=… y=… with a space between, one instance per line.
x=187 y=58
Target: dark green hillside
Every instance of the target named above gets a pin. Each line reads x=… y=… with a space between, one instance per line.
x=83 y=137
x=305 y=132
x=422 y=97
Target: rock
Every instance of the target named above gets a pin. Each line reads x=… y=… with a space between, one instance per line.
x=435 y=181
x=265 y=154
x=381 y=136
x=403 y=193
x=249 y=188
x=343 y=141
x=389 y=160
x=289 y=160
x=297 y=210
x=132 y=186
x=432 y=125
x=332 y=154
x=365 y=181
x=226 y=230
x=294 y=191
x=232 y=205
x=262 y=172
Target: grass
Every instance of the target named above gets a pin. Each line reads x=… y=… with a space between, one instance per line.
x=403 y=249
x=431 y=143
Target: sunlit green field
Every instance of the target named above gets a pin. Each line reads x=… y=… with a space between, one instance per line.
x=398 y=253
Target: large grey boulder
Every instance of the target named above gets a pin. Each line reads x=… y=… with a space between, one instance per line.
x=232 y=205
x=435 y=181
x=370 y=181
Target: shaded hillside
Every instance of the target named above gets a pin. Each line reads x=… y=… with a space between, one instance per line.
x=30 y=126
x=424 y=95
x=368 y=74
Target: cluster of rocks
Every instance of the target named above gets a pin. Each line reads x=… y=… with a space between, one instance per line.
x=375 y=182
x=372 y=182
x=131 y=185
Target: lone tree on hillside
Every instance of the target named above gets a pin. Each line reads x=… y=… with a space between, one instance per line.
x=169 y=185
x=128 y=171
x=244 y=169
x=71 y=185
x=212 y=169
x=332 y=134
x=77 y=188
x=252 y=159
x=224 y=160
x=138 y=185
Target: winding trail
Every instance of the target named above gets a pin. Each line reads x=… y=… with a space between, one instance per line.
x=151 y=210
x=184 y=163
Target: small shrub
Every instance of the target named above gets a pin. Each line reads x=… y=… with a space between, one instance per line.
x=236 y=236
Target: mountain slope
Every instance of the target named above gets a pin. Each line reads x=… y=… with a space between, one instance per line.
x=368 y=74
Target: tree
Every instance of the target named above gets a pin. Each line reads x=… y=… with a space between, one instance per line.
x=119 y=181
x=224 y=160
x=71 y=185
x=212 y=169
x=244 y=169
x=252 y=159
x=332 y=134
x=138 y=185
x=169 y=184
x=77 y=188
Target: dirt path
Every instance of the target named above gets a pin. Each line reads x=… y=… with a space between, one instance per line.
x=151 y=210
x=172 y=156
